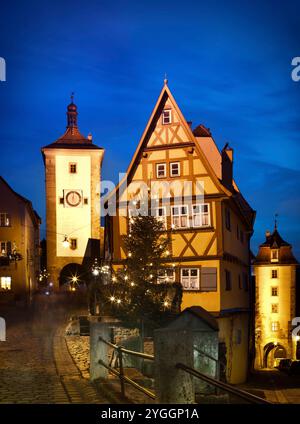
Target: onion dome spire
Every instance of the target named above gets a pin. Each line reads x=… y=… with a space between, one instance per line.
x=72 y=114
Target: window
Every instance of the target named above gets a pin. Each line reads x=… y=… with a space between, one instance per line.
x=5 y=283
x=161 y=170
x=227 y=280
x=5 y=220
x=5 y=247
x=227 y=219
x=175 y=169
x=166 y=116
x=73 y=243
x=86 y=201
x=274 y=273
x=73 y=168
x=180 y=217
x=208 y=279
x=274 y=291
x=245 y=281
x=275 y=326
x=160 y=214
x=274 y=308
x=274 y=255
x=190 y=278
x=61 y=201
x=201 y=215
x=166 y=275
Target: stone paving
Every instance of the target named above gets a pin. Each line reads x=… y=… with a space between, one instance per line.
x=35 y=364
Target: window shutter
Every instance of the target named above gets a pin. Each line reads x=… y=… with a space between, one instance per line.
x=208 y=279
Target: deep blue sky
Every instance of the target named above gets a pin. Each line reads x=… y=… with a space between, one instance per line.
x=228 y=65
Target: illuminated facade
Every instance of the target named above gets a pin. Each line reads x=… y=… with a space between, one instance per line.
x=19 y=243
x=72 y=171
x=210 y=237
x=275 y=304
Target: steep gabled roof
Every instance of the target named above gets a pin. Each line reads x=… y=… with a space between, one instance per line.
x=35 y=217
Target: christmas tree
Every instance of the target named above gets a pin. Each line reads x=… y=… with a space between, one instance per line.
x=140 y=292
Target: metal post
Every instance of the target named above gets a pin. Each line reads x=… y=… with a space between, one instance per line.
x=120 y=355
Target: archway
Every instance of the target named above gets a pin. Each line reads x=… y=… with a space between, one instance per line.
x=273 y=352
x=72 y=276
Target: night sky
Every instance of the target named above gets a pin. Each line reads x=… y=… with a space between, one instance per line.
x=228 y=66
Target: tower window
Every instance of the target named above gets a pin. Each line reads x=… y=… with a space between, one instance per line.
x=274 y=273
x=61 y=201
x=5 y=220
x=73 y=168
x=274 y=255
x=73 y=243
x=86 y=201
x=166 y=116
x=161 y=170
x=274 y=291
x=227 y=280
x=274 y=308
x=275 y=326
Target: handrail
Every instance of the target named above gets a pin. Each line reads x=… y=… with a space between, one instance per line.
x=123 y=378
x=224 y=386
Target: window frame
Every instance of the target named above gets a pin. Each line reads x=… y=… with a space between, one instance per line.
x=227 y=218
x=7 y=219
x=169 y=111
x=164 y=164
x=71 y=165
x=166 y=279
x=71 y=243
x=3 y=286
x=274 y=308
x=275 y=259
x=171 y=169
x=180 y=215
x=189 y=287
x=164 y=216
x=274 y=326
x=201 y=214
x=274 y=273
x=6 y=250
x=273 y=289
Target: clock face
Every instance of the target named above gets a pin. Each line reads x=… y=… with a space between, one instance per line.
x=73 y=198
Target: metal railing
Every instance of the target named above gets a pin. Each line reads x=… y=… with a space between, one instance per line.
x=123 y=378
x=223 y=386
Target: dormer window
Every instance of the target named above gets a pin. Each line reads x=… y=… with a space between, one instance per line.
x=166 y=117
x=274 y=255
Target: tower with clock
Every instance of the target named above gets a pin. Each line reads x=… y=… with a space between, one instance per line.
x=72 y=174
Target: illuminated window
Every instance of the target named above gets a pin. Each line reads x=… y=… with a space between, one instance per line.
x=201 y=215
x=5 y=220
x=180 y=217
x=190 y=278
x=274 y=308
x=73 y=243
x=274 y=255
x=5 y=283
x=5 y=247
x=161 y=170
x=227 y=280
x=166 y=275
x=61 y=201
x=175 y=169
x=275 y=326
x=73 y=168
x=227 y=219
x=274 y=273
x=160 y=214
x=166 y=116
x=274 y=291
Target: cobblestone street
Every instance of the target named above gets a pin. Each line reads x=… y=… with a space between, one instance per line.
x=35 y=364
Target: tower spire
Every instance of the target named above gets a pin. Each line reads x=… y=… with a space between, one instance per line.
x=275 y=221
x=72 y=113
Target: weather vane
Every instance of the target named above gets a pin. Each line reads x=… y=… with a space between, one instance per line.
x=276 y=216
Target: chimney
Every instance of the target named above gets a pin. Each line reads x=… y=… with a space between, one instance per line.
x=90 y=137
x=268 y=233
x=227 y=165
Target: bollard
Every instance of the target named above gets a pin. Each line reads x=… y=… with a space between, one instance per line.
x=173 y=385
x=98 y=349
